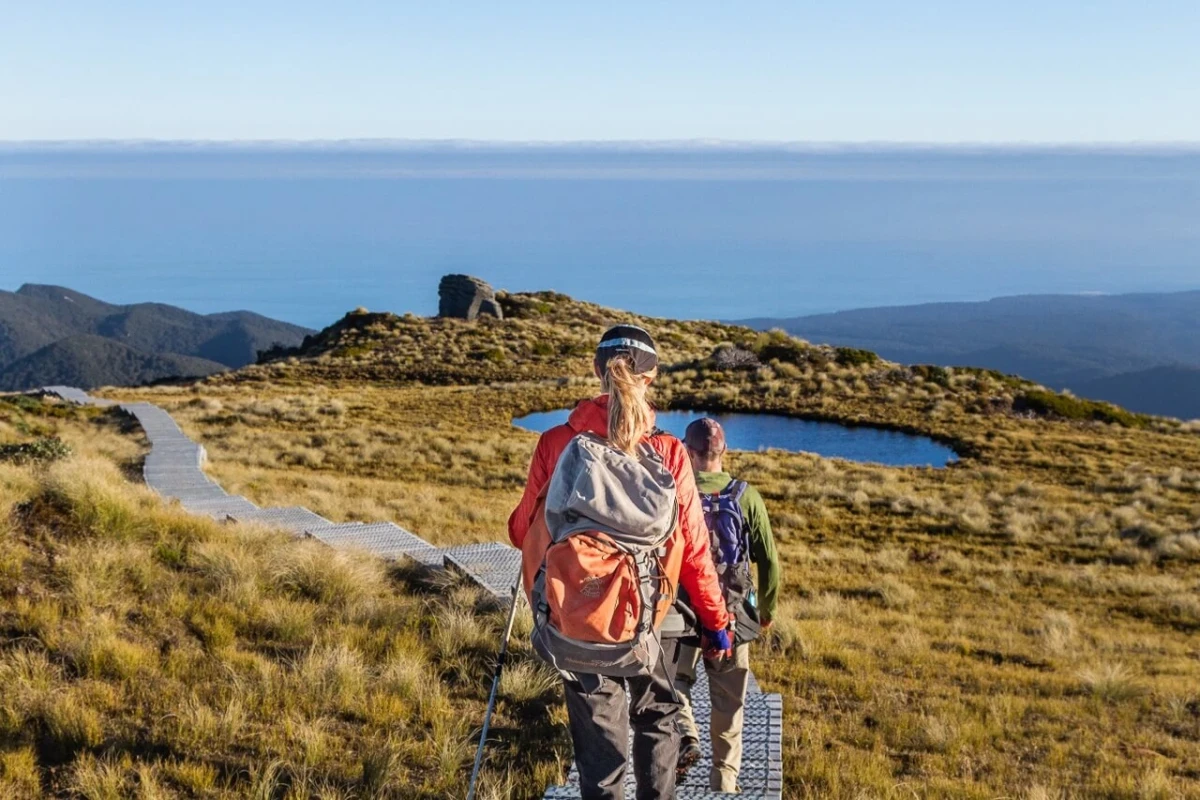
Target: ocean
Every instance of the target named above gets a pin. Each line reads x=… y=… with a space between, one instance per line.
x=307 y=232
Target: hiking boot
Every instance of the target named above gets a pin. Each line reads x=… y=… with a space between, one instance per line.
x=689 y=754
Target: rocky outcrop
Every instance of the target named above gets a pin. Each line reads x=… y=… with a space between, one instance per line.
x=730 y=357
x=465 y=297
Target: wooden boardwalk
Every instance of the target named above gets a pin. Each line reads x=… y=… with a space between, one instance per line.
x=174 y=469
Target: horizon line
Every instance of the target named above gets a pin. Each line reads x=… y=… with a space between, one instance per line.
x=699 y=143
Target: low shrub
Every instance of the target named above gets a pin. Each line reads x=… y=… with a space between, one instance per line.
x=352 y=351
x=854 y=357
x=777 y=345
x=493 y=355
x=529 y=306
x=1049 y=404
x=933 y=374
x=45 y=450
x=1003 y=378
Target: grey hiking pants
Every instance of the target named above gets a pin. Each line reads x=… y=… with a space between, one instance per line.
x=727 y=682
x=600 y=721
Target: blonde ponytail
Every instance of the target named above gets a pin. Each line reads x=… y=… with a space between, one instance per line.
x=630 y=417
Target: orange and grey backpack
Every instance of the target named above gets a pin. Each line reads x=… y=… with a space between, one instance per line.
x=594 y=564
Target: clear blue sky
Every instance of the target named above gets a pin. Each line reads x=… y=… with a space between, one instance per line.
x=854 y=70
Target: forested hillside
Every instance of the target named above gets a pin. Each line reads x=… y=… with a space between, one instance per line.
x=51 y=334
x=1062 y=341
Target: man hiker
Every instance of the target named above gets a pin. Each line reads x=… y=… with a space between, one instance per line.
x=741 y=534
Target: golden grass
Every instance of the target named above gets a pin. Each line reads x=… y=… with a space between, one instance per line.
x=1022 y=624
x=936 y=624
x=147 y=653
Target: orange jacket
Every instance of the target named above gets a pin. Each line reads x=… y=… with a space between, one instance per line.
x=697 y=574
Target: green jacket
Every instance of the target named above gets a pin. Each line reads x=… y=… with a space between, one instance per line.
x=762 y=540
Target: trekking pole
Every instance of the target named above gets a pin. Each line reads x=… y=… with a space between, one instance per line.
x=487 y=717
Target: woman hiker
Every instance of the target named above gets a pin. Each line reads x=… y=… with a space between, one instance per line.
x=600 y=432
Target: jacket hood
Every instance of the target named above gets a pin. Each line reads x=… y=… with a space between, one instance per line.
x=591 y=416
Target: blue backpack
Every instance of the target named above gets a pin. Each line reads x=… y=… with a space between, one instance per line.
x=730 y=541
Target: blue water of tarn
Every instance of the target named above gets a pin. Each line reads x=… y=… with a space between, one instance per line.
x=769 y=431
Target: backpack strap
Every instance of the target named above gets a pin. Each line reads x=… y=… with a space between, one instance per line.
x=649 y=448
x=734 y=492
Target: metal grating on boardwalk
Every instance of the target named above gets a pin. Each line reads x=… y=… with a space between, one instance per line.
x=77 y=396
x=384 y=539
x=493 y=565
x=761 y=775
x=174 y=469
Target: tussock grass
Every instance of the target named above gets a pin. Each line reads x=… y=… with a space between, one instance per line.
x=408 y=675
x=786 y=636
x=19 y=777
x=346 y=581
x=968 y=684
x=1114 y=682
x=145 y=653
x=335 y=677
x=944 y=587
x=1059 y=633
x=527 y=680
x=894 y=593
x=101 y=779
x=455 y=631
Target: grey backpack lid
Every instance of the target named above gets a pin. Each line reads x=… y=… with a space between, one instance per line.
x=598 y=487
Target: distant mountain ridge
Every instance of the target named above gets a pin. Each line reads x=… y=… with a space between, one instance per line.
x=1171 y=391
x=51 y=334
x=1095 y=345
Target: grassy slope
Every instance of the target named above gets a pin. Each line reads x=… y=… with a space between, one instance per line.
x=147 y=653
x=1023 y=624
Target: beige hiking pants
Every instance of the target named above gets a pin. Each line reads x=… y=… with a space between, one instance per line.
x=727 y=681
